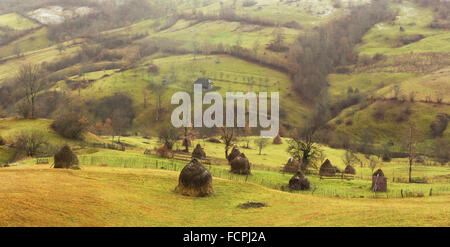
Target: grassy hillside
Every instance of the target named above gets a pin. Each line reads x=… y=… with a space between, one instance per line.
x=384 y=38
x=34 y=41
x=228 y=74
x=10 y=127
x=137 y=197
x=392 y=121
x=17 y=22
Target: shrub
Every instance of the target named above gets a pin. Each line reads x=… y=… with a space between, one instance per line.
x=439 y=125
x=71 y=125
x=30 y=142
x=163 y=152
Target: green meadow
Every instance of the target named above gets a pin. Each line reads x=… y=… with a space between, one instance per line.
x=17 y=22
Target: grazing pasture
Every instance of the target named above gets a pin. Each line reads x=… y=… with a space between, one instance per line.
x=105 y=196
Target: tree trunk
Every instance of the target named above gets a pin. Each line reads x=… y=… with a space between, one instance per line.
x=410 y=170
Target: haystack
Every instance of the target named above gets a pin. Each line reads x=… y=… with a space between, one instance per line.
x=379 y=181
x=379 y=172
x=198 y=152
x=65 y=158
x=277 y=140
x=299 y=182
x=240 y=165
x=292 y=166
x=327 y=169
x=234 y=153
x=350 y=170
x=195 y=180
x=2 y=141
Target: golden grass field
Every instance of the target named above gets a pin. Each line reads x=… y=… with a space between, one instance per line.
x=105 y=196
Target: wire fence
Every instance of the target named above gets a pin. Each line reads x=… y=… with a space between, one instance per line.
x=278 y=180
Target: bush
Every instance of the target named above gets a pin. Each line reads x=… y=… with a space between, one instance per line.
x=30 y=142
x=71 y=125
x=439 y=125
x=163 y=152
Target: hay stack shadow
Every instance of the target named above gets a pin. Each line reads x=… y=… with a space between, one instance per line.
x=65 y=158
x=195 y=180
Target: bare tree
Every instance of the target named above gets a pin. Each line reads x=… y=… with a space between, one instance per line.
x=261 y=143
x=410 y=146
x=349 y=157
x=303 y=148
x=30 y=142
x=168 y=136
x=372 y=162
x=30 y=78
x=159 y=89
x=228 y=137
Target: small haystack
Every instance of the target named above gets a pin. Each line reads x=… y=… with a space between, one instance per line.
x=198 y=152
x=292 y=166
x=379 y=172
x=379 y=181
x=195 y=180
x=240 y=165
x=65 y=158
x=299 y=182
x=350 y=170
x=277 y=140
x=327 y=169
x=234 y=153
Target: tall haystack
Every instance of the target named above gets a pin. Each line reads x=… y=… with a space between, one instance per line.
x=195 y=180
x=350 y=170
x=234 y=153
x=198 y=152
x=327 y=169
x=240 y=165
x=299 y=182
x=65 y=158
x=277 y=140
x=292 y=166
x=379 y=181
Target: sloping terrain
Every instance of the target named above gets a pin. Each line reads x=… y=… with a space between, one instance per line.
x=97 y=196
